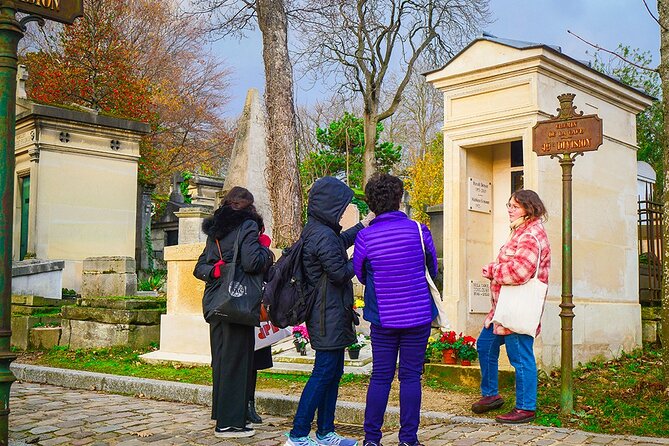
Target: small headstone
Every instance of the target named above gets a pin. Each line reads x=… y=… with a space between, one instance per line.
x=109 y=276
x=190 y=224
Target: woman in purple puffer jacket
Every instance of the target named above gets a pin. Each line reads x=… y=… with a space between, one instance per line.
x=389 y=260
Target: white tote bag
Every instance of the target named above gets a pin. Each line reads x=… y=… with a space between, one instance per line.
x=268 y=334
x=519 y=307
x=441 y=321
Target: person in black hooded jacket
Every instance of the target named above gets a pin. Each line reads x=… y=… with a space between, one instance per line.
x=232 y=345
x=330 y=323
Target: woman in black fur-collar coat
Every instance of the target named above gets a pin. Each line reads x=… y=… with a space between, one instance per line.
x=232 y=345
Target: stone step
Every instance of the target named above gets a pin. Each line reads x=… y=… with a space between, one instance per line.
x=36 y=301
x=122 y=303
x=25 y=310
x=113 y=316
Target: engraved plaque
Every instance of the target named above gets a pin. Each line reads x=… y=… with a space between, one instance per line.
x=480 y=195
x=479 y=296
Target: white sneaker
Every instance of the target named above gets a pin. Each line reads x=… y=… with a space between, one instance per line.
x=300 y=441
x=334 y=439
x=233 y=432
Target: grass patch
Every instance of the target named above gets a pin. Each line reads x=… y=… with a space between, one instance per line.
x=118 y=361
x=126 y=362
x=622 y=396
x=54 y=313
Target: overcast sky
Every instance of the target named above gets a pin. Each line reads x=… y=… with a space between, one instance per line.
x=603 y=22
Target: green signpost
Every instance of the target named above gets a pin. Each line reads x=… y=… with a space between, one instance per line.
x=11 y=32
x=564 y=137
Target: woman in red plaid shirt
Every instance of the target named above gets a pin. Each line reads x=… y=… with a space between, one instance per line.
x=516 y=263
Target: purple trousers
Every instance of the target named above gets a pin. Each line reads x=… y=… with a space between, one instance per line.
x=410 y=343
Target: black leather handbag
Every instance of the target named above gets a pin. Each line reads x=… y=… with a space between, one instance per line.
x=235 y=297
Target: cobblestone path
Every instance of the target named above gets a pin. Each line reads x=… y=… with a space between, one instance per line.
x=49 y=415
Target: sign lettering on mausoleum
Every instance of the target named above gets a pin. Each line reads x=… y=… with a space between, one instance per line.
x=64 y=11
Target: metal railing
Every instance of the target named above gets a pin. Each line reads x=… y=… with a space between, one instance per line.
x=650 y=250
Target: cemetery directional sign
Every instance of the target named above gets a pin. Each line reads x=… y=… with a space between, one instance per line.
x=568 y=132
x=64 y=11
x=564 y=137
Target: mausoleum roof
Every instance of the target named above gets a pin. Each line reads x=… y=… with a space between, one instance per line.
x=523 y=45
x=84 y=117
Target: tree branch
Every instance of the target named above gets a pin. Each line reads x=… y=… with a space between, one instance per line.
x=599 y=48
x=651 y=14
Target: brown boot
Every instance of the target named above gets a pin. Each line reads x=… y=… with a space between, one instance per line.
x=487 y=403
x=516 y=416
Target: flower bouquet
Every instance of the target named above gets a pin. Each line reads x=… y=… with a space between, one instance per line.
x=446 y=346
x=300 y=339
x=466 y=350
x=354 y=349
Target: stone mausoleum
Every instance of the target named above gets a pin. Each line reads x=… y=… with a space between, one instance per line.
x=76 y=186
x=495 y=90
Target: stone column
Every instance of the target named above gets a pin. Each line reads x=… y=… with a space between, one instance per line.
x=190 y=224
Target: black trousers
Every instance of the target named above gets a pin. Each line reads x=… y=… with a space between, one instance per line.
x=232 y=370
x=262 y=359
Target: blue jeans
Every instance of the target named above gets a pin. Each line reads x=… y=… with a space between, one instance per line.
x=320 y=393
x=519 y=348
x=410 y=343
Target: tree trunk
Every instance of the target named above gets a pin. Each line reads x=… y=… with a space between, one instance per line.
x=369 y=165
x=663 y=10
x=282 y=175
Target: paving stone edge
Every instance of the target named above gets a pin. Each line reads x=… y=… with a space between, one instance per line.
x=266 y=402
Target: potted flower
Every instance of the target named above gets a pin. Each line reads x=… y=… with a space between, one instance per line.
x=446 y=345
x=467 y=350
x=354 y=349
x=300 y=339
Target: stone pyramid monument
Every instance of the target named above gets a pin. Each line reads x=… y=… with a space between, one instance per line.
x=249 y=156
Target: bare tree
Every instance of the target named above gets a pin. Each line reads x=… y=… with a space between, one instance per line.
x=419 y=115
x=232 y=17
x=283 y=180
x=663 y=20
x=363 y=41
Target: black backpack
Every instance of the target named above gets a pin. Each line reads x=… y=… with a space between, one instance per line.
x=284 y=296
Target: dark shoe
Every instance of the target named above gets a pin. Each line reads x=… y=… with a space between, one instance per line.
x=487 y=403
x=404 y=443
x=371 y=443
x=516 y=416
x=251 y=414
x=233 y=432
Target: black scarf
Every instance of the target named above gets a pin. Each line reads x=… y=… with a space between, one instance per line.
x=226 y=219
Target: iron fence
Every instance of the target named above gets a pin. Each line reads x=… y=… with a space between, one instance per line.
x=650 y=250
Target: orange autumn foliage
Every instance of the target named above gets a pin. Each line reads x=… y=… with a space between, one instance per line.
x=144 y=61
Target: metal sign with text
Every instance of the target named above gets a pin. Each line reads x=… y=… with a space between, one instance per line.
x=568 y=132
x=64 y=11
